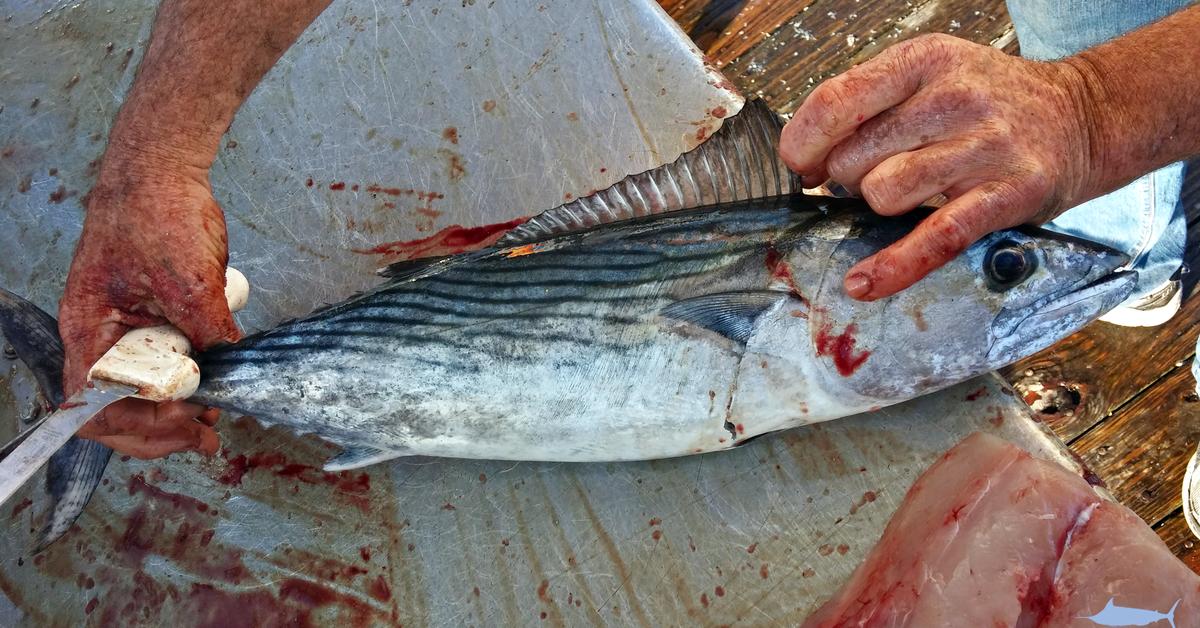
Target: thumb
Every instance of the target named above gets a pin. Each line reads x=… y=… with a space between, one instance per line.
x=203 y=315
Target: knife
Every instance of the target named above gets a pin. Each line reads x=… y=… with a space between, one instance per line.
x=148 y=363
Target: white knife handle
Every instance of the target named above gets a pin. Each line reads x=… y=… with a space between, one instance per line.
x=155 y=359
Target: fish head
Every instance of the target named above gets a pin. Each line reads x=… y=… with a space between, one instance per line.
x=1009 y=295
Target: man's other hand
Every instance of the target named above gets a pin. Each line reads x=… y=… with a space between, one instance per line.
x=1005 y=140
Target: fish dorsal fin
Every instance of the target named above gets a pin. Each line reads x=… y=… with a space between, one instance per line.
x=359 y=456
x=410 y=269
x=739 y=162
x=731 y=314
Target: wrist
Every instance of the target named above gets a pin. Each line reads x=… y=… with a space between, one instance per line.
x=1106 y=124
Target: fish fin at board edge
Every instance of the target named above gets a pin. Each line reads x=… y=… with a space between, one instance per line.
x=357 y=456
x=75 y=470
x=731 y=314
x=739 y=162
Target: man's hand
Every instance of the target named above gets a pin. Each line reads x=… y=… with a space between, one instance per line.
x=153 y=247
x=1003 y=138
x=153 y=250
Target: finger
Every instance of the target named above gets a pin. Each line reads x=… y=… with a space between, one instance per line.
x=138 y=416
x=200 y=311
x=937 y=240
x=904 y=181
x=909 y=126
x=815 y=179
x=189 y=437
x=835 y=108
x=87 y=332
x=209 y=416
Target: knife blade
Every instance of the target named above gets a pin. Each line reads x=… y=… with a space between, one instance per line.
x=37 y=444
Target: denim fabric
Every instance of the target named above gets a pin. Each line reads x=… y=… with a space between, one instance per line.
x=1144 y=219
x=1050 y=29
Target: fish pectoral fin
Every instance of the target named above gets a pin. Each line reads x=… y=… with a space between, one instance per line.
x=359 y=456
x=731 y=314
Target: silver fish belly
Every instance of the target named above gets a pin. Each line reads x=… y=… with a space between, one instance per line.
x=605 y=345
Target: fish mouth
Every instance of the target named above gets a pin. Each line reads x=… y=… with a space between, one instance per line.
x=1057 y=315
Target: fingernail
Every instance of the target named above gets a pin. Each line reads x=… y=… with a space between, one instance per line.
x=858 y=285
x=208 y=443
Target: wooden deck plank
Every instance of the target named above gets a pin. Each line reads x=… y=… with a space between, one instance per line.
x=779 y=50
x=1175 y=533
x=1141 y=453
x=703 y=20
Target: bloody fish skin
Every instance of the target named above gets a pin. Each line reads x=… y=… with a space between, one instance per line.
x=648 y=338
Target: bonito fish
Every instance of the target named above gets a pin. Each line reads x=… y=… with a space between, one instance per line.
x=692 y=331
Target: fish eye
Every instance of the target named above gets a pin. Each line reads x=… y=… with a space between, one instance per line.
x=1008 y=264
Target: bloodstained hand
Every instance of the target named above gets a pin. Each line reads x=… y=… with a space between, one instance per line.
x=153 y=250
x=1005 y=139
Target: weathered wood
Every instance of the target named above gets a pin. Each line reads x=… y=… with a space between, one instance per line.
x=1142 y=451
x=1175 y=533
x=821 y=39
x=779 y=50
x=704 y=20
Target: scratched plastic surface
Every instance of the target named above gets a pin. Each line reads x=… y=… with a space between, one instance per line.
x=756 y=536
x=381 y=97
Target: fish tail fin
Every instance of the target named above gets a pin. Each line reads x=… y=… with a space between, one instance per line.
x=1171 y=613
x=74 y=471
x=72 y=475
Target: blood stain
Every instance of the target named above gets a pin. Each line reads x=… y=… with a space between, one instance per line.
x=450 y=134
x=278 y=464
x=448 y=241
x=379 y=589
x=841 y=349
x=977 y=393
x=20 y=507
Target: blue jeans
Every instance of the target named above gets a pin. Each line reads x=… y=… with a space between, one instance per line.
x=1145 y=219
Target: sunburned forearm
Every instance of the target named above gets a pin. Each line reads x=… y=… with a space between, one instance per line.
x=203 y=60
x=1143 y=95
x=154 y=248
